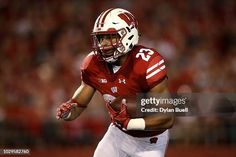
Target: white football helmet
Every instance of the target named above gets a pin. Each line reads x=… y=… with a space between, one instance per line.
x=118 y=23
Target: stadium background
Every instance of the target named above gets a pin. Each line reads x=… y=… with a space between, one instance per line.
x=42 y=44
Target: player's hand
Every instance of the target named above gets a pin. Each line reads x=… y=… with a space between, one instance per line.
x=111 y=111
x=65 y=109
x=120 y=118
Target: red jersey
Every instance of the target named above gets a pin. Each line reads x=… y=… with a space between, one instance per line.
x=143 y=69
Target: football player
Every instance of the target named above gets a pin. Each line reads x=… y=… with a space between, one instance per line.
x=119 y=67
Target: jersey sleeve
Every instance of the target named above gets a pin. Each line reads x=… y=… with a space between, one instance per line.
x=86 y=70
x=156 y=71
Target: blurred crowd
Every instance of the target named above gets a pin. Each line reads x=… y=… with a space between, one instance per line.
x=42 y=44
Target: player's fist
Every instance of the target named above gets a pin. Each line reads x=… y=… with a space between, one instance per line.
x=64 y=110
x=120 y=118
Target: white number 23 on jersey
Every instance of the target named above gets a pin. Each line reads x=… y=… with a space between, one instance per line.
x=145 y=54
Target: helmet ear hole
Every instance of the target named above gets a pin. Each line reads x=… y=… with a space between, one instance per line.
x=131 y=37
x=131 y=46
x=128 y=29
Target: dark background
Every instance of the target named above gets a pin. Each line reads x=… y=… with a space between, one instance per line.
x=42 y=44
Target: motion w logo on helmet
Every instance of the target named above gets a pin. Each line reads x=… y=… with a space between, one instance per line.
x=129 y=19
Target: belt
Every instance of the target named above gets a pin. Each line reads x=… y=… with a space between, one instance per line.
x=140 y=133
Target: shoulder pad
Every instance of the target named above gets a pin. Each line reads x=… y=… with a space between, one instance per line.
x=87 y=61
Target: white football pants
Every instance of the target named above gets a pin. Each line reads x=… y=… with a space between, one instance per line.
x=116 y=143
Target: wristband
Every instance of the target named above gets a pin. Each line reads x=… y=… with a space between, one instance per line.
x=136 y=124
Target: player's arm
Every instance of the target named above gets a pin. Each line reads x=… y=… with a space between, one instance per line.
x=161 y=120
x=148 y=123
x=156 y=121
x=71 y=109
